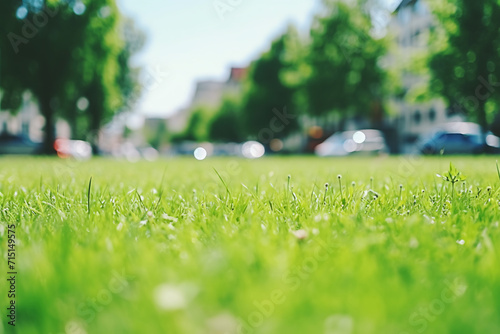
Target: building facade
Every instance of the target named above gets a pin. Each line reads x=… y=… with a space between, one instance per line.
x=28 y=122
x=410 y=26
x=208 y=93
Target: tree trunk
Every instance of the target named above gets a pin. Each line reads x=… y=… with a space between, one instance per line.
x=49 y=130
x=73 y=124
x=483 y=122
x=95 y=125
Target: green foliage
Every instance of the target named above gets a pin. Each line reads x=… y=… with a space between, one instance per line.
x=102 y=63
x=344 y=61
x=452 y=175
x=61 y=56
x=267 y=90
x=198 y=125
x=225 y=126
x=40 y=58
x=336 y=71
x=465 y=55
x=128 y=80
x=498 y=170
x=171 y=247
x=156 y=136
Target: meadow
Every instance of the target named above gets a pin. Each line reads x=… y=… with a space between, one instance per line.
x=229 y=246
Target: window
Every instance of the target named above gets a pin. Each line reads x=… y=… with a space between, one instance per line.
x=417 y=117
x=404 y=15
x=432 y=115
x=420 y=8
x=456 y=138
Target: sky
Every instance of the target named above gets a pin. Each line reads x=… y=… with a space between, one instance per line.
x=191 y=40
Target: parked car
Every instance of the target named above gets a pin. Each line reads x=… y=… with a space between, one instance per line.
x=366 y=141
x=78 y=149
x=12 y=144
x=459 y=138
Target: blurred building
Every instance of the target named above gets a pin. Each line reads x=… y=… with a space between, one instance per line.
x=28 y=122
x=410 y=26
x=178 y=121
x=154 y=131
x=208 y=93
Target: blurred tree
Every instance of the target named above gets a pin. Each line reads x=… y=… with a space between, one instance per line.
x=197 y=128
x=268 y=99
x=62 y=51
x=129 y=75
x=225 y=125
x=96 y=68
x=156 y=135
x=111 y=82
x=11 y=97
x=465 y=55
x=36 y=55
x=343 y=56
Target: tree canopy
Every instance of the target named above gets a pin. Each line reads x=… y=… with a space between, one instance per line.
x=63 y=51
x=345 y=75
x=226 y=123
x=266 y=92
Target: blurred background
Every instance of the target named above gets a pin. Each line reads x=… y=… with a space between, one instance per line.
x=141 y=80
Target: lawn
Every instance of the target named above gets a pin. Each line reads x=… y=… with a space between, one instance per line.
x=229 y=246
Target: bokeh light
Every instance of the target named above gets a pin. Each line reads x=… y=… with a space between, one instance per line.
x=253 y=150
x=315 y=132
x=200 y=153
x=21 y=13
x=359 y=137
x=79 y=8
x=276 y=145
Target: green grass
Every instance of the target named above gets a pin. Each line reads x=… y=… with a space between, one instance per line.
x=181 y=246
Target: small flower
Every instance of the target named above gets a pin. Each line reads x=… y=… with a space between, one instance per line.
x=167 y=217
x=300 y=234
x=75 y=326
x=170 y=298
x=223 y=323
x=370 y=194
x=413 y=242
x=460 y=242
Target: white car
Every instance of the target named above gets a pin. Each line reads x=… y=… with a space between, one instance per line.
x=78 y=149
x=366 y=141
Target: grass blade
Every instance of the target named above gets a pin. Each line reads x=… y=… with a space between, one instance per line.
x=498 y=171
x=88 y=195
x=223 y=182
